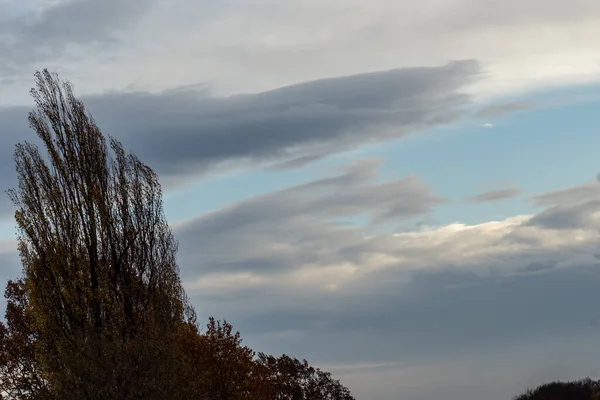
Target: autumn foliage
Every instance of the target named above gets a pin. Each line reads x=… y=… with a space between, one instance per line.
x=100 y=311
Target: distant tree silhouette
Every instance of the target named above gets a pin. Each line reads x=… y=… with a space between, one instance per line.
x=288 y=378
x=216 y=362
x=223 y=369
x=586 y=389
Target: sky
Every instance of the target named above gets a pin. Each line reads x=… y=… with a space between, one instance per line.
x=404 y=193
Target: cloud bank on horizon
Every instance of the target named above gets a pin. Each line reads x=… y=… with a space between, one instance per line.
x=331 y=180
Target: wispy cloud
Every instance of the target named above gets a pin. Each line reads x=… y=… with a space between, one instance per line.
x=299 y=226
x=495 y=195
x=500 y=109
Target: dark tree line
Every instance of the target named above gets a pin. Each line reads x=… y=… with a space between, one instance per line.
x=585 y=389
x=99 y=311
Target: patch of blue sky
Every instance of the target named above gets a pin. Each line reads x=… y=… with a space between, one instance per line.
x=552 y=145
x=537 y=150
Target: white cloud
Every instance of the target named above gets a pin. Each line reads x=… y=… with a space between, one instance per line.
x=496 y=247
x=249 y=46
x=291 y=239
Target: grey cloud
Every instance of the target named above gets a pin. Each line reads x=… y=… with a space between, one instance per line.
x=281 y=232
x=299 y=223
x=427 y=320
x=12 y=121
x=570 y=195
x=48 y=34
x=499 y=373
x=509 y=13
x=501 y=109
x=569 y=208
x=497 y=110
x=417 y=297
x=415 y=300
x=295 y=162
x=495 y=195
x=568 y=217
x=185 y=132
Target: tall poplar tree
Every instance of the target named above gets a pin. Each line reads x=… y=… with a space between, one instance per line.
x=100 y=278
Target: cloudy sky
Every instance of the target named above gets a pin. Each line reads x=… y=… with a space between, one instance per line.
x=404 y=193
